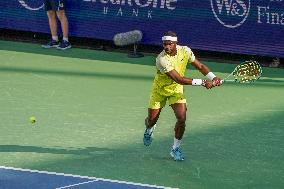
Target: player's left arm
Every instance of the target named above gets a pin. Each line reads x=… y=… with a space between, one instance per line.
x=206 y=72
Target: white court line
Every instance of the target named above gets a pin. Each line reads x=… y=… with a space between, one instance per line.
x=76 y=184
x=79 y=176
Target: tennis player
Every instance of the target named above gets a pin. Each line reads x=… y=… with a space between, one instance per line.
x=168 y=86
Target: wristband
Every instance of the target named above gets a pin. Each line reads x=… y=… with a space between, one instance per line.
x=210 y=76
x=196 y=82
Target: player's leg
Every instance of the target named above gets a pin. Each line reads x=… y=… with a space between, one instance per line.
x=178 y=104
x=156 y=103
x=150 y=123
x=180 y=113
x=152 y=118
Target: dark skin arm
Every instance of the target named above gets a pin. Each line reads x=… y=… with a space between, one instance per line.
x=174 y=75
x=188 y=81
x=201 y=67
x=205 y=70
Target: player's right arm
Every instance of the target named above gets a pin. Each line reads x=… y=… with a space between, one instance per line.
x=165 y=67
x=174 y=75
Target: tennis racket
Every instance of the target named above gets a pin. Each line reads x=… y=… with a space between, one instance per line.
x=246 y=72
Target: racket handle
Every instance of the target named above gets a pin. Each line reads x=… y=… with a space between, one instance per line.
x=222 y=81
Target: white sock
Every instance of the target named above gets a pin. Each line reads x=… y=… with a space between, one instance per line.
x=65 y=38
x=55 y=38
x=149 y=131
x=176 y=143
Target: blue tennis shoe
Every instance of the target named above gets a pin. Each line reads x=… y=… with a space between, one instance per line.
x=148 y=136
x=177 y=154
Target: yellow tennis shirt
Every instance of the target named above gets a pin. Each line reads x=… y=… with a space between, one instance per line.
x=164 y=87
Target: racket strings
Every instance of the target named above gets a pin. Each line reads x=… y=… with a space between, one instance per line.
x=247 y=72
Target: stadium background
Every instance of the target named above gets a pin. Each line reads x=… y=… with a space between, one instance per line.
x=244 y=27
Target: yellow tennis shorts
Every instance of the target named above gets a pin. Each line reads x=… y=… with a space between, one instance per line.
x=158 y=101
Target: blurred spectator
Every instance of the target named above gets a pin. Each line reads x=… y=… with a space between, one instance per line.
x=57 y=8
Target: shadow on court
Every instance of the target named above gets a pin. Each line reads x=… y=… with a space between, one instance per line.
x=261 y=82
x=77 y=73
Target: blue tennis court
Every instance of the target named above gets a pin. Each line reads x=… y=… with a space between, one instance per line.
x=16 y=178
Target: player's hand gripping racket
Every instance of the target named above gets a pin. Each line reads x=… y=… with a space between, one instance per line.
x=246 y=72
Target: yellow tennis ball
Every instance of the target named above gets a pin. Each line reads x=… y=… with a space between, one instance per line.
x=32 y=119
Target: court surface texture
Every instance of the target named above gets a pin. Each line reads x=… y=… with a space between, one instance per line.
x=90 y=108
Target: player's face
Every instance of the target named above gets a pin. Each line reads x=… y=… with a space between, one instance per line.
x=170 y=47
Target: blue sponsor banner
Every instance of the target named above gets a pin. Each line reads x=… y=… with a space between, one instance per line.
x=236 y=26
